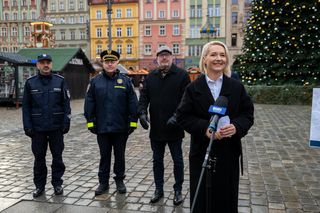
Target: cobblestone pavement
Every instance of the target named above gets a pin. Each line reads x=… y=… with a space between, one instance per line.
x=281 y=172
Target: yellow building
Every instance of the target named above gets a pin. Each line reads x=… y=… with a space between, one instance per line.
x=124 y=21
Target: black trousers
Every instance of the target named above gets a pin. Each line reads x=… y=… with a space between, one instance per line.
x=106 y=141
x=158 y=148
x=39 y=147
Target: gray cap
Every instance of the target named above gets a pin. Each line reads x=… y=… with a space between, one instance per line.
x=163 y=49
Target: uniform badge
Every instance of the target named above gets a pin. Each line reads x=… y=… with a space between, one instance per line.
x=119 y=81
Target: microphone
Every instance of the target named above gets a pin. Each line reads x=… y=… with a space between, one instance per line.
x=217 y=110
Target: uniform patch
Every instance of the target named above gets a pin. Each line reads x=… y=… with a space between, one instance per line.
x=119 y=81
x=57 y=89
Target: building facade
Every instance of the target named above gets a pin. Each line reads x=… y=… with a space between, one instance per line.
x=70 y=19
x=238 y=12
x=161 y=22
x=124 y=30
x=15 y=23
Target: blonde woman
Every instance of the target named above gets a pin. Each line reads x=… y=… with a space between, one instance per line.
x=193 y=116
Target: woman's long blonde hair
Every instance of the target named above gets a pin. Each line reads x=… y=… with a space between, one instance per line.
x=205 y=52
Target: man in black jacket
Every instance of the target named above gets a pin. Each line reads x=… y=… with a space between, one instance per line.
x=162 y=92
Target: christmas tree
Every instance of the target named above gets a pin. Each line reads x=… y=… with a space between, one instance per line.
x=282 y=43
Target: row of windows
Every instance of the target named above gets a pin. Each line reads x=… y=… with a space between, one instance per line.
x=162 y=30
x=15 y=16
x=68 y=20
x=118 y=13
x=119 y=48
x=175 y=48
x=61 y=7
x=9 y=49
x=196 y=10
x=14 y=31
x=160 y=1
x=71 y=35
x=162 y=14
x=14 y=3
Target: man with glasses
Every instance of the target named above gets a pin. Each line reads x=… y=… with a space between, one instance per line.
x=111 y=112
x=162 y=91
x=46 y=117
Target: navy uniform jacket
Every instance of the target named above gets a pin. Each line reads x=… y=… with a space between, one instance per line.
x=46 y=103
x=111 y=103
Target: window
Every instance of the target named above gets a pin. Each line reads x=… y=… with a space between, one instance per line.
x=98 y=14
x=71 y=5
x=6 y=16
x=119 y=48
x=118 y=13
x=81 y=5
x=147 y=31
x=99 y=49
x=234 y=18
x=26 y=31
x=24 y=16
x=194 y=50
x=61 y=5
x=33 y=2
x=175 y=13
x=99 y=32
x=15 y=49
x=14 y=3
x=53 y=20
x=175 y=48
x=195 y=31
x=15 y=16
x=3 y=31
x=82 y=34
x=129 y=13
x=53 y=6
x=199 y=10
x=210 y=10
x=107 y=32
x=247 y=15
x=234 y=39
x=148 y=14
x=129 y=48
x=176 y=30
x=119 y=32
x=5 y=3
x=162 y=30
x=129 y=31
x=63 y=35
x=73 y=35
x=14 y=31
x=71 y=19
x=62 y=20
x=192 y=11
x=148 y=1
x=161 y=14
x=33 y=15
x=147 y=49
x=234 y=1
x=24 y=3
x=81 y=19
x=4 y=49
x=217 y=10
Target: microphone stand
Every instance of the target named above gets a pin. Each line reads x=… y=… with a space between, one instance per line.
x=209 y=165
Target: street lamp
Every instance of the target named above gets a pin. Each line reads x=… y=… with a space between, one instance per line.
x=109 y=12
x=208 y=30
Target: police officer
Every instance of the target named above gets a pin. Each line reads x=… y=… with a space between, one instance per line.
x=111 y=112
x=46 y=117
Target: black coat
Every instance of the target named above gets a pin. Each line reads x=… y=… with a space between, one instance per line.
x=46 y=103
x=163 y=96
x=194 y=117
x=111 y=103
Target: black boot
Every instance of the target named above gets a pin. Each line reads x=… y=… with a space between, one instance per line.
x=177 y=200
x=102 y=188
x=121 y=188
x=158 y=194
x=38 y=192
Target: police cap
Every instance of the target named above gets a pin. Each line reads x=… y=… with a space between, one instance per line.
x=110 y=55
x=44 y=56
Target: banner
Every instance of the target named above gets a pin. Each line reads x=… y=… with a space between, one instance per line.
x=315 y=119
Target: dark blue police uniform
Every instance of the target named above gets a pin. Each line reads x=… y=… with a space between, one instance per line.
x=46 y=117
x=111 y=112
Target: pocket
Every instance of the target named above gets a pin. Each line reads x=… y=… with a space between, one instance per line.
x=37 y=97
x=36 y=120
x=58 y=118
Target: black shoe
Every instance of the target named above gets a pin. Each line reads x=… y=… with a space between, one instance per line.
x=102 y=188
x=177 y=200
x=38 y=192
x=121 y=188
x=58 y=190
x=158 y=194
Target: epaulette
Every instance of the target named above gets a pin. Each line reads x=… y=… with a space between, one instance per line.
x=60 y=76
x=124 y=75
x=33 y=76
